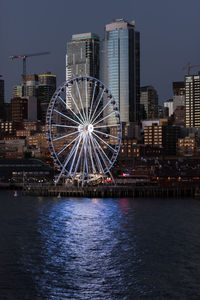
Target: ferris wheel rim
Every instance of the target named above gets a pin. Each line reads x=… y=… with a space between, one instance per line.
x=51 y=109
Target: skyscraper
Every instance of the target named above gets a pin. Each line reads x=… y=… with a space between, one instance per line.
x=46 y=89
x=120 y=66
x=192 y=100
x=1 y=97
x=149 y=99
x=82 y=58
x=83 y=55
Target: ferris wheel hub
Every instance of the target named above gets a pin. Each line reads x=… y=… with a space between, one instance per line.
x=85 y=128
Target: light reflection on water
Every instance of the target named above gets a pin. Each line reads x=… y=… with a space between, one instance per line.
x=99 y=248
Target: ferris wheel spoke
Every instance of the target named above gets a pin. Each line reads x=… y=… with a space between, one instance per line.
x=63 y=136
x=106 y=126
x=76 y=105
x=91 y=156
x=77 y=147
x=85 y=162
x=97 y=105
x=107 y=134
x=76 y=167
x=108 y=169
x=102 y=109
x=78 y=90
x=99 y=165
x=99 y=121
x=86 y=98
x=60 y=125
x=67 y=159
x=70 y=109
x=102 y=151
x=63 y=149
x=58 y=112
x=86 y=150
x=91 y=105
x=102 y=157
x=105 y=142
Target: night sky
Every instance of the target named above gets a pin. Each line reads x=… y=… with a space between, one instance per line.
x=169 y=35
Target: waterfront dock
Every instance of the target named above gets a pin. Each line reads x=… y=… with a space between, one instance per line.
x=105 y=191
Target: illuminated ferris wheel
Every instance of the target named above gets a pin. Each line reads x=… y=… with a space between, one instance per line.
x=84 y=130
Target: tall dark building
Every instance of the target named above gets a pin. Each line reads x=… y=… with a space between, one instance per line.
x=120 y=66
x=46 y=89
x=149 y=99
x=19 y=109
x=179 y=88
x=1 y=97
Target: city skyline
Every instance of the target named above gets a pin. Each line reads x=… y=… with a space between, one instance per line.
x=163 y=28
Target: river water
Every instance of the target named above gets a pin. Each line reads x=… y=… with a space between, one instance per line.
x=99 y=248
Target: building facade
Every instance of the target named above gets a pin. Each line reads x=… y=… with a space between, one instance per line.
x=46 y=89
x=192 y=100
x=179 y=94
x=170 y=105
x=1 y=97
x=120 y=66
x=82 y=59
x=41 y=87
x=149 y=100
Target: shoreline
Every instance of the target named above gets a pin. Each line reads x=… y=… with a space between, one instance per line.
x=107 y=191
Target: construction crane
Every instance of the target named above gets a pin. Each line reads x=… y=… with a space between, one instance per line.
x=25 y=56
x=189 y=67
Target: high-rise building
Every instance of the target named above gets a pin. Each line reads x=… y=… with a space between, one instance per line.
x=149 y=100
x=1 y=91
x=39 y=87
x=24 y=108
x=46 y=89
x=192 y=100
x=17 y=91
x=120 y=66
x=1 y=97
x=179 y=94
x=19 y=109
x=82 y=58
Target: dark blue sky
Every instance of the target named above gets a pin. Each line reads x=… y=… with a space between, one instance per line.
x=169 y=35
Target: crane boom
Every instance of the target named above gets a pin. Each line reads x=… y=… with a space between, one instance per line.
x=24 y=57
x=189 y=67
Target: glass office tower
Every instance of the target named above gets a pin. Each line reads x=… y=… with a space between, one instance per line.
x=120 y=66
x=82 y=58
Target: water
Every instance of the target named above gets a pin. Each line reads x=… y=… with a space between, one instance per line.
x=99 y=248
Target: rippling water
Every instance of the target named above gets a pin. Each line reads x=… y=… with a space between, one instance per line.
x=99 y=248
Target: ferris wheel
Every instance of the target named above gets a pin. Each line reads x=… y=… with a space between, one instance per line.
x=83 y=129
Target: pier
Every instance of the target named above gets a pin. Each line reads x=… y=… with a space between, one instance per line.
x=111 y=191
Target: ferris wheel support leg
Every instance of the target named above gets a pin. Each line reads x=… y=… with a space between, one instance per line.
x=99 y=165
x=113 y=180
x=67 y=160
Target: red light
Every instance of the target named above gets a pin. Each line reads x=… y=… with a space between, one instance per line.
x=19 y=56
